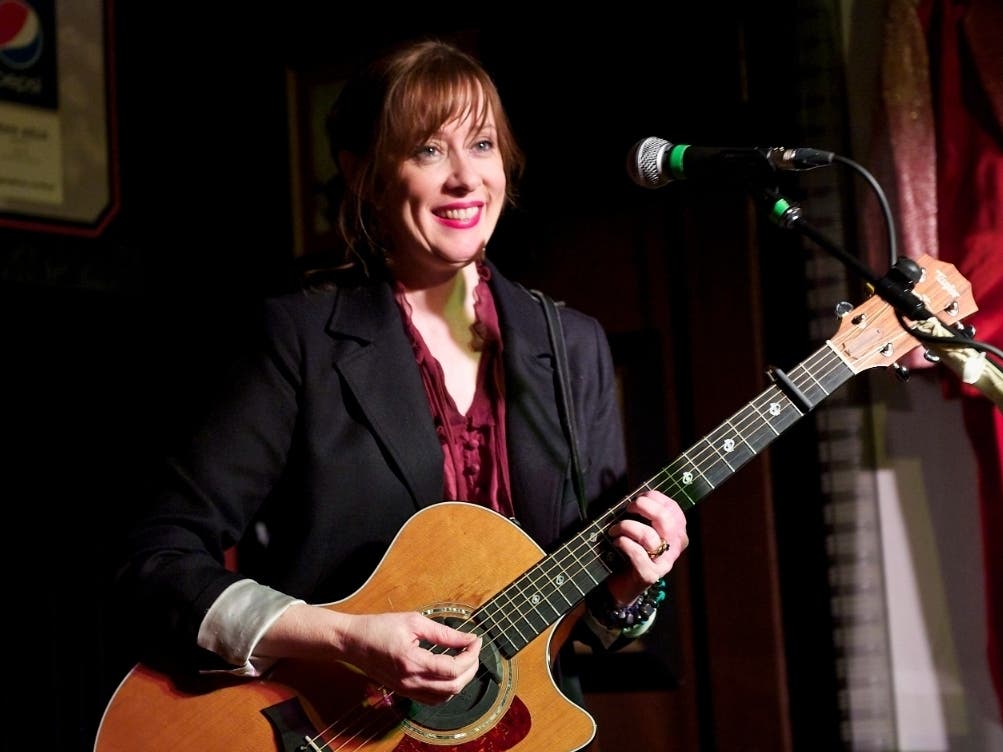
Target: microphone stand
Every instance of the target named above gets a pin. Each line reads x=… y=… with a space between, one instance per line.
x=895 y=287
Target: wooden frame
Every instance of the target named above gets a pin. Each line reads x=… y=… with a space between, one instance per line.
x=310 y=95
x=58 y=138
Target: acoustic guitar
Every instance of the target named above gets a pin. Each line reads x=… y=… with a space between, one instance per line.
x=444 y=563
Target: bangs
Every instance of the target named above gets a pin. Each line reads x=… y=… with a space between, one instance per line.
x=419 y=108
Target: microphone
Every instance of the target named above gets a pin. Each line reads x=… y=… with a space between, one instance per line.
x=654 y=162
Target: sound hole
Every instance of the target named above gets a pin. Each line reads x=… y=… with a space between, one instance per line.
x=473 y=702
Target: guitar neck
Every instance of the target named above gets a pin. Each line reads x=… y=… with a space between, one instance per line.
x=715 y=458
x=554 y=586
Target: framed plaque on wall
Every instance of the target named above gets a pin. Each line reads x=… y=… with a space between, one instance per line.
x=58 y=170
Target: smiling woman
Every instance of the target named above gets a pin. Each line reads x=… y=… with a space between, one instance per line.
x=408 y=372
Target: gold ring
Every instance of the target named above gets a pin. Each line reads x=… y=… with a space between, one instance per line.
x=663 y=546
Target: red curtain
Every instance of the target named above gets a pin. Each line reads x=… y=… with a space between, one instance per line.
x=942 y=141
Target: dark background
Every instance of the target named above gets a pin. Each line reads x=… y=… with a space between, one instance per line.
x=111 y=343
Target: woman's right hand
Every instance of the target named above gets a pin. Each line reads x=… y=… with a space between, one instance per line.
x=388 y=648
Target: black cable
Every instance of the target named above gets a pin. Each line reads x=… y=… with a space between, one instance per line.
x=886 y=210
x=789 y=216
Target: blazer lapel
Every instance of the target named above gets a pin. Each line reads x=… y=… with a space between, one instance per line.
x=375 y=359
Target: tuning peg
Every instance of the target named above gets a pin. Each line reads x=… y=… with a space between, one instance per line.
x=931 y=356
x=843 y=308
x=901 y=372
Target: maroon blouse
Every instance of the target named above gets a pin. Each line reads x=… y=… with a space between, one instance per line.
x=475 y=460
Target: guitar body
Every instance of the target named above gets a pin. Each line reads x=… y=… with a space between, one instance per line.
x=445 y=562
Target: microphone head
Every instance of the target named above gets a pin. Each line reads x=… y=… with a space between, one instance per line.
x=645 y=160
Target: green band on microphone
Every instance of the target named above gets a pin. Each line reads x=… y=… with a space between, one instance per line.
x=676 y=160
x=780 y=208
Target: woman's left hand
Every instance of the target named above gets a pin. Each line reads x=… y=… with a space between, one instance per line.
x=651 y=538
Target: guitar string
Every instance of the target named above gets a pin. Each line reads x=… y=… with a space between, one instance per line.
x=802 y=376
x=806 y=377
x=322 y=735
x=376 y=726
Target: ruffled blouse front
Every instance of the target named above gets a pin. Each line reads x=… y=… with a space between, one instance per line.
x=475 y=459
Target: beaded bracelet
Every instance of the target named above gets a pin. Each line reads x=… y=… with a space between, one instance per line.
x=612 y=616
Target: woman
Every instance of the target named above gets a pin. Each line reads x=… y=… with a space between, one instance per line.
x=416 y=373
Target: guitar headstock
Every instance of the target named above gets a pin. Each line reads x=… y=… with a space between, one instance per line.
x=870 y=335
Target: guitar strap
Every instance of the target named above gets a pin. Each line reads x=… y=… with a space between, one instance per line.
x=565 y=403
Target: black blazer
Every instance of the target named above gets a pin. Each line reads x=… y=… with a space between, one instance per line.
x=323 y=445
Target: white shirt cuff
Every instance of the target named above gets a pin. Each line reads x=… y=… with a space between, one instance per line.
x=237 y=620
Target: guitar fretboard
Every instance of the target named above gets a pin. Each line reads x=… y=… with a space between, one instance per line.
x=715 y=458
x=553 y=587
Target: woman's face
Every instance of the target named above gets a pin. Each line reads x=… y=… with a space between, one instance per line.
x=446 y=203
